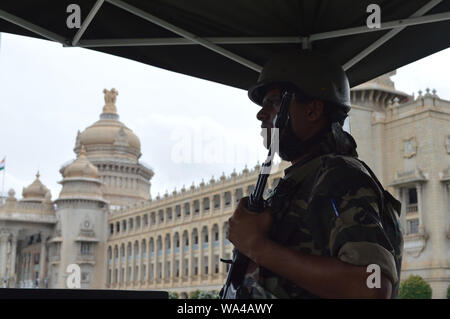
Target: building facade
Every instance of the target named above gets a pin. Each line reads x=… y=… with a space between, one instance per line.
x=105 y=221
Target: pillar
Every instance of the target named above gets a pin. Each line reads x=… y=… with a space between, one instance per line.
x=4 y=235
x=419 y=208
x=211 y=252
x=43 y=260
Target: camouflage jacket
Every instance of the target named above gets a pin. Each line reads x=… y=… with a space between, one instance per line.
x=326 y=206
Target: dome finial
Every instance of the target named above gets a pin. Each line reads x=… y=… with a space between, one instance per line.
x=110 y=101
x=82 y=150
x=38 y=175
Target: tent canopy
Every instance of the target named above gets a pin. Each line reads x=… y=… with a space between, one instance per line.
x=229 y=41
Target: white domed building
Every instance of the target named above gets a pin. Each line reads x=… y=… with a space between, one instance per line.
x=115 y=150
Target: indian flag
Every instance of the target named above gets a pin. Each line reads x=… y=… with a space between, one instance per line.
x=2 y=164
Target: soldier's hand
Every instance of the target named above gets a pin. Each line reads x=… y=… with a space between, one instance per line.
x=248 y=230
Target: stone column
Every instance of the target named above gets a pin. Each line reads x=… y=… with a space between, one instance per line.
x=402 y=193
x=419 y=208
x=211 y=252
x=163 y=262
x=172 y=256
x=12 y=263
x=4 y=235
x=190 y=255
x=43 y=260
x=200 y=253
x=221 y=249
x=181 y=263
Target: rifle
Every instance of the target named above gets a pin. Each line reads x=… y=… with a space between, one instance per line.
x=232 y=288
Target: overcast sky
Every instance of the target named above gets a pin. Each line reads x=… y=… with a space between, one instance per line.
x=189 y=128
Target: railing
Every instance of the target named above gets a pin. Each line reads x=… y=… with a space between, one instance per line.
x=411 y=208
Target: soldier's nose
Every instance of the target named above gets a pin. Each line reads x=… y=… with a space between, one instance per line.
x=262 y=115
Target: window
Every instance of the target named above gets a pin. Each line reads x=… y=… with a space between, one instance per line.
x=124 y=225
x=138 y=222
x=187 y=209
x=145 y=220
x=227 y=198
x=412 y=196
x=130 y=223
x=111 y=229
x=413 y=226
x=85 y=276
x=86 y=249
x=36 y=258
x=118 y=227
x=216 y=200
x=206 y=203
x=196 y=206
x=178 y=211
x=250 y=189
x=239 y=194
x=411 y=206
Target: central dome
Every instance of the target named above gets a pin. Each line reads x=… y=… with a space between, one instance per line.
x=109 y=131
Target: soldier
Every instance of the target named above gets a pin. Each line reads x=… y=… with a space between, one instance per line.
x=328 y=219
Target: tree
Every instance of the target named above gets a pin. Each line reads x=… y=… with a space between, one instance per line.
x=173 y=295
x=197 y=294
x=194 y=294
x=448 y=292
x=208 y=295
x=415 y=287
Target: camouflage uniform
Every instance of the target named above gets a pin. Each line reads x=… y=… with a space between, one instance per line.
x=326 y=205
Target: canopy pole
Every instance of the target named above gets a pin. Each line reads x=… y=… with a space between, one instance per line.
x=32 y=27
x=91 y=43
x=185 y=34
x=388 y=36
x=87 y=21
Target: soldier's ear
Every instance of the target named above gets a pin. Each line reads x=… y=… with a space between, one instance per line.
x=314 y=110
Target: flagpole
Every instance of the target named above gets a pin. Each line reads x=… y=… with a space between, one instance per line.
x=3 y=186
x=3 y=182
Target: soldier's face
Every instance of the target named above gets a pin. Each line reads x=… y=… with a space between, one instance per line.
x=306 y=117
x=267 y=114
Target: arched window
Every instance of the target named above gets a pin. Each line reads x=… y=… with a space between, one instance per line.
x=167 y=243
x=122 y=254
x=144 y=250
x=116 y=255
x=129 y=256
x=159 y=245
x=194 y=238
x=215 y=238
x=136 y=250
x=185 y=241
x=152 y=247
x=177 y=242
x=205 y=239
x=225 y=234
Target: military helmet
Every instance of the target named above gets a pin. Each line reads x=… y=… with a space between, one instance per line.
x=315 y=75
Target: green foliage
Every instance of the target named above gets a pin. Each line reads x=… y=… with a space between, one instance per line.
x=208 y=295
x=448 y=292
x=194 y=294
x=197 y=294
x=415 y=287
x=173 y=295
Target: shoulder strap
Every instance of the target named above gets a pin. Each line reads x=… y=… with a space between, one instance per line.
x=386 y=195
